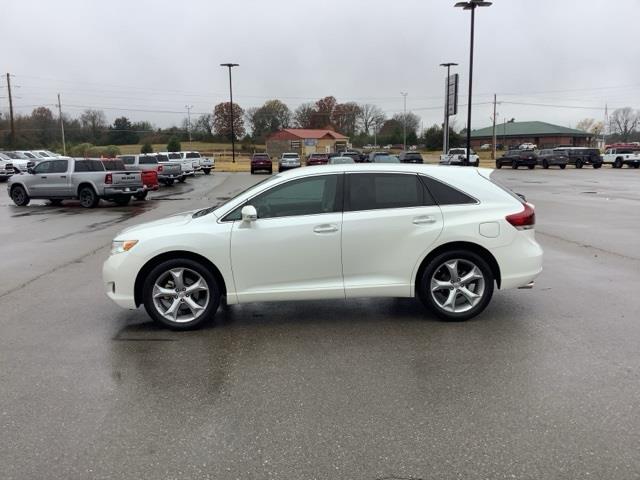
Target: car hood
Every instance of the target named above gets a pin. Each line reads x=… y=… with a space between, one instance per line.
x=149 y=228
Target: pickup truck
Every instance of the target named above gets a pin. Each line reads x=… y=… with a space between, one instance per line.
x=168 y=172
x=84 y=179
x=618 y=157
x=149 y=177
x=20 y=162
x=456 y=156
x=176 y=157
x=205 y=164
x=6 y=167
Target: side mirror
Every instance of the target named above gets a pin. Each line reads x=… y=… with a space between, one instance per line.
x=249 y=213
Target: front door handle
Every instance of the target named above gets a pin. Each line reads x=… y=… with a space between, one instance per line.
x=63 y=176
x=424 y=220
x=326 y=228
x=43 y=176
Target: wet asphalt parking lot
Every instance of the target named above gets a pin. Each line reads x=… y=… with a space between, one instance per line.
x=544 y=384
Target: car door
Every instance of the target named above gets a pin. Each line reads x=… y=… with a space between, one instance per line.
x=292 y=250
x=41 y=184
x=59 y=179
x=390 y=221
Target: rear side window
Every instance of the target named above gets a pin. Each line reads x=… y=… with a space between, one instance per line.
x=193 y=155
x=59 y=166
x=175 y=156
x=444 y=194
x=128 y=160
x=373 y=191
x=113 y=165
x=148 y=161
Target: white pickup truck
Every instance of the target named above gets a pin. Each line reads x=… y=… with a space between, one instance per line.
x=176 y=157
x=205 y=164
x=617 y=157
x=456 y=156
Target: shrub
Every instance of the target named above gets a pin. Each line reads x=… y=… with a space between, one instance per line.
x=146 y=148
x=174 y=145
x=80 y=150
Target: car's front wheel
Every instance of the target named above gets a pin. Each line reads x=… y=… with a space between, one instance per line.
x=181 y=294
x=456 y=285
x=498 y=165
x=514 y=164
x=19 y=196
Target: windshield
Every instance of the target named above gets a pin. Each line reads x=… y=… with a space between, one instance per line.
x=208 y=210
x=43 y=153
x=4 y=157
x=174 y=156
x=290 y=155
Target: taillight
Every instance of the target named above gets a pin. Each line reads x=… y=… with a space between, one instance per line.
x=523 y=220
x=108 y=179
x=159 y=168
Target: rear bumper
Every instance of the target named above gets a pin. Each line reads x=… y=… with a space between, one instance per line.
x=520 y=262
x=129 y=190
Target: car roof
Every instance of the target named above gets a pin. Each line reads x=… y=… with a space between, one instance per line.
x=436 y=170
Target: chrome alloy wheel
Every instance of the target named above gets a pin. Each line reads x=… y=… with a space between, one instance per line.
x=180 y=295
x=457 y=285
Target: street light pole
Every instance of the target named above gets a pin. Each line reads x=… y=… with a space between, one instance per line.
x=445 y=127
x=189 y=107
x=470 y=5
x=233 y=136
x=404 y=123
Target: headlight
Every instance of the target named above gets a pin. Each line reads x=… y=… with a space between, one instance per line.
x=119 y=246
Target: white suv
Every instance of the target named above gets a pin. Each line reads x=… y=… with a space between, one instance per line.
x=444 y=235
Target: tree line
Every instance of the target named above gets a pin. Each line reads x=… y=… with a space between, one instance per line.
x=363 y=123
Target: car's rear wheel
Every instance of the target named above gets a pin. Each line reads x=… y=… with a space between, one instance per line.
x=88 y=197
x=636 y=165
x=252 y=171
x=181 y=294
x=514 y=164
x=19 y=196
x=169 y=182
x=182 y=179
x=141 y=196
x=498 y=165
x=457 y=285
x=617 y=163
x=563 y=167
x=596 y=165
x=545 y=164
x=578 y=163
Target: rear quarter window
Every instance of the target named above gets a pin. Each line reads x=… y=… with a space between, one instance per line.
x=444 y=194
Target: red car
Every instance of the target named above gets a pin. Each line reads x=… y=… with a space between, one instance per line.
x=318 y=159
x=261 y=161
x=149 y=177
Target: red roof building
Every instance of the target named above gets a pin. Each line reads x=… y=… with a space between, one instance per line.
x=305 y=141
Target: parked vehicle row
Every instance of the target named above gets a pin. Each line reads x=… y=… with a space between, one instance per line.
x=458 y=156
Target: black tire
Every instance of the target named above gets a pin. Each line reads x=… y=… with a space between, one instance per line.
x=122 y=200
x=578 y=163
x=55 y=202
x=206 y=171
x=531 y=167
x=142 y=196
x=182 y=179
x=162 y=269
x=636 y=165
x=563 y=166
x=597 y=165
x=169 y=182
x=88 y=197
x=545 y=164
x=427 y=296
x=19 y=196
x=271 y=171
x=498 y=165
x=617 y=163
x=514 y=164
x=252 y=171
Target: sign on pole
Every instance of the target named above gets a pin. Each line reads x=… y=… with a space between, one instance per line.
x=452 y=94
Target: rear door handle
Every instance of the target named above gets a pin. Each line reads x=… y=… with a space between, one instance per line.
x=424 y=220
x=326 y=228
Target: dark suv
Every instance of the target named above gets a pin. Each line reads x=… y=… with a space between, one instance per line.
x=580 y=156
x=411 y=157
x=317 y=159
x=261 y=161
x=518 y=158
x=550 y=157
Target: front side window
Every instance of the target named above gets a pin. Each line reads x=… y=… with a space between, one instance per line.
x=43 y=167
x=373 y=191
x=305 y=196
x=128 y=160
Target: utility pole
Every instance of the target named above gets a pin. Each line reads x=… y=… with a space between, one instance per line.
x=404 y=126
x=64 y=145
x=233 y=136
x=189 y=107
x=13 y=128
x=493 y=145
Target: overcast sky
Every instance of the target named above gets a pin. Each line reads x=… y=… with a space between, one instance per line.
x=128 y=56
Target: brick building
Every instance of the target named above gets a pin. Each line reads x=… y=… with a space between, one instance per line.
x=544 y=135
x=305 y=141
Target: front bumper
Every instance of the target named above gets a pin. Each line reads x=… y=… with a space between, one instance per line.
x=119 y=280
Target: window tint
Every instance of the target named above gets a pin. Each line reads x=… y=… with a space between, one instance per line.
x=81 y=166
x=372 y=191
x=148 y=160
x=162 y=158
x=444 y=194
x=59 y=166
x=306 y=196
x=43 y=167
x=111 y=165
x=174 y=156
x=193 y=155
x=128 y=160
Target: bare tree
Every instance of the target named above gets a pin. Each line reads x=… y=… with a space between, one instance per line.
x=303 y=115
x=585 y=124
x=95 y=122
x=371 y=116
x=624 y=121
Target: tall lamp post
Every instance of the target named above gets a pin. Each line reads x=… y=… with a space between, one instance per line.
x=445 y=128
x=233 y=136
x=404 y=123
x=470 y=5
x=189 y=107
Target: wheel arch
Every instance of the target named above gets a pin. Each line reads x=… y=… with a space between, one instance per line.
x=175 y=254
x=19 y=184
x=474 y=247
x=86 y=184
